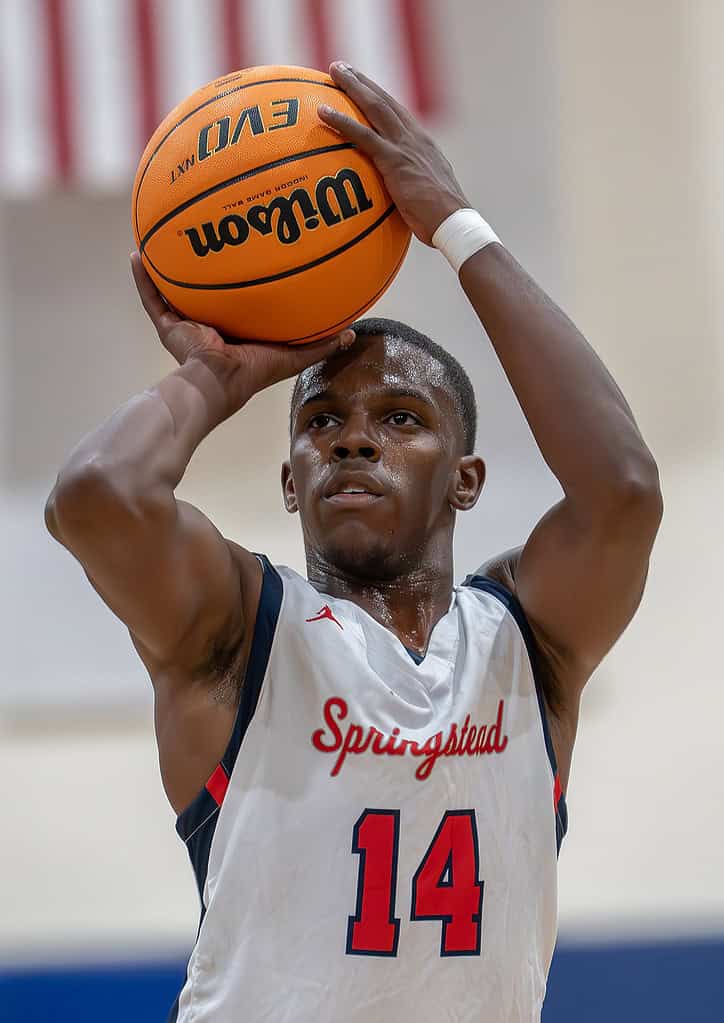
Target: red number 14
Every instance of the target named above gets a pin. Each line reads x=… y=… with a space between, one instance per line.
x=445 y=886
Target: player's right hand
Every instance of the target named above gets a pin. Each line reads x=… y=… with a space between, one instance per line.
x=254 y=365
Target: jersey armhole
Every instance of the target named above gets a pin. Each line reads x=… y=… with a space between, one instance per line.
x=192 y=824
x=515 y=608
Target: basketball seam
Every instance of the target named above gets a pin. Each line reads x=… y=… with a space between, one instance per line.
x=234 y=181
x=206 y=103
x=361 y=309
x=280 y=276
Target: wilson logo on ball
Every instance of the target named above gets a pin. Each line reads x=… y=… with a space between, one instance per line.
x=336 y=199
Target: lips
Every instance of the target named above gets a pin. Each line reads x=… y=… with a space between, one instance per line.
x=355 y=499
x=346 y=487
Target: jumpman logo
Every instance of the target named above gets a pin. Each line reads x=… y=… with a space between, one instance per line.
x=325 y=612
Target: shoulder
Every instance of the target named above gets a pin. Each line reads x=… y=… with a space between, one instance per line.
x=501 y=568
x=198 y=711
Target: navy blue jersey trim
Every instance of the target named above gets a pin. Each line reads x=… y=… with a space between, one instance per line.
x=204 y=808
x=511 y=602
x=197 y=823
x=267 y=616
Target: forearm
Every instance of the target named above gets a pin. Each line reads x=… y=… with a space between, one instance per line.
x=581 y=422
x=148 y=442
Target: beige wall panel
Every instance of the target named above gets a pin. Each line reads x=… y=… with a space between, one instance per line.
x=633 y=213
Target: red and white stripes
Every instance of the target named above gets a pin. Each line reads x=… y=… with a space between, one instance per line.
x=83 y=83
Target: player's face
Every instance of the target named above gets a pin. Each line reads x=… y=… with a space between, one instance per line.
x=375 y=451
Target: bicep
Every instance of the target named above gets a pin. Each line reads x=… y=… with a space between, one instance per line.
x=580 y=578
x=162 y=567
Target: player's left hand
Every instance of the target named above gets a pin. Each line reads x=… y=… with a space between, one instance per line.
x=420 y=180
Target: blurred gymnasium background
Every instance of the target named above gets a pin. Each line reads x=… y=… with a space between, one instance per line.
x=590 y=135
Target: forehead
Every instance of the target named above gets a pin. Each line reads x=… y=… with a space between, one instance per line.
x=376 y=363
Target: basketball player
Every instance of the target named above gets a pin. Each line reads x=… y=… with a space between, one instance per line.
x=369 y=764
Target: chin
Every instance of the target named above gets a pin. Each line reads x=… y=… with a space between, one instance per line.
x=372 y=560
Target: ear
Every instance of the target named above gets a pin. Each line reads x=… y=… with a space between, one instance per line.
x=466 y=483
x=290 y=497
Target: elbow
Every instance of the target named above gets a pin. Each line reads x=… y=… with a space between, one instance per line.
x=78 y=497
x=623 y=494
x=51 y=518
x=642 y=484
x=72 y=499
x=636 y=494
x=92 y=498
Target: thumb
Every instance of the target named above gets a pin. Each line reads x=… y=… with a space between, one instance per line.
x=307 y=355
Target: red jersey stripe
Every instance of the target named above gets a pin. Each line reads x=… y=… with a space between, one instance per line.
x=217 y=785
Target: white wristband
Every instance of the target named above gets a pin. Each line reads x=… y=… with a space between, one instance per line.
x=461 y=235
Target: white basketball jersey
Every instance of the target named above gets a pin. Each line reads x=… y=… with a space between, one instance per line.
x=382 y=844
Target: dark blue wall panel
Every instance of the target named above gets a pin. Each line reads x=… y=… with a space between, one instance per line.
x=669 y=982
x=108 y=994
x=666 y=982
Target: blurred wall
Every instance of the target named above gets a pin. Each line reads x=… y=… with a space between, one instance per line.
x=640 y=89
x=588 y=135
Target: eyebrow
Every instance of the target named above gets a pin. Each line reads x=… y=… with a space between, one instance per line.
x=328 y=394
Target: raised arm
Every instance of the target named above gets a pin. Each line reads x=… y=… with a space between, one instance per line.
x=187 y=595
x=581 y=574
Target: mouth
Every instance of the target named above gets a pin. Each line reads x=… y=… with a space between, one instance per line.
x=353 y=498
x=354 y=493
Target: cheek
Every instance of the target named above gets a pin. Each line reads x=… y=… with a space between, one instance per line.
x=422 y=475
x=306 y=461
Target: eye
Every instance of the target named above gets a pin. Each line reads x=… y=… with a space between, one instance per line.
x=403 y=419
x=321 y=421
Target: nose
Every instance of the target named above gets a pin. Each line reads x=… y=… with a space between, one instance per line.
x=356 y=439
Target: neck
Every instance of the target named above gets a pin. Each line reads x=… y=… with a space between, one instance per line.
x=410 y=605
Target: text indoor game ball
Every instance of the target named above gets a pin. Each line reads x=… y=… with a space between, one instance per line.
x=253 y=216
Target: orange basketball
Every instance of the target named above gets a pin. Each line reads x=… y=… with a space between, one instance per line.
x=253 y=216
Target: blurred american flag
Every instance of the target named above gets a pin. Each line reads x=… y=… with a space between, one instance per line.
x=83 y=83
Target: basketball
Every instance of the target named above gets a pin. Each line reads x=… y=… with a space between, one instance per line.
x=255 y=217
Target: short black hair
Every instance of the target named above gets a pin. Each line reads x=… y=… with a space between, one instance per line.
x=456 y=380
